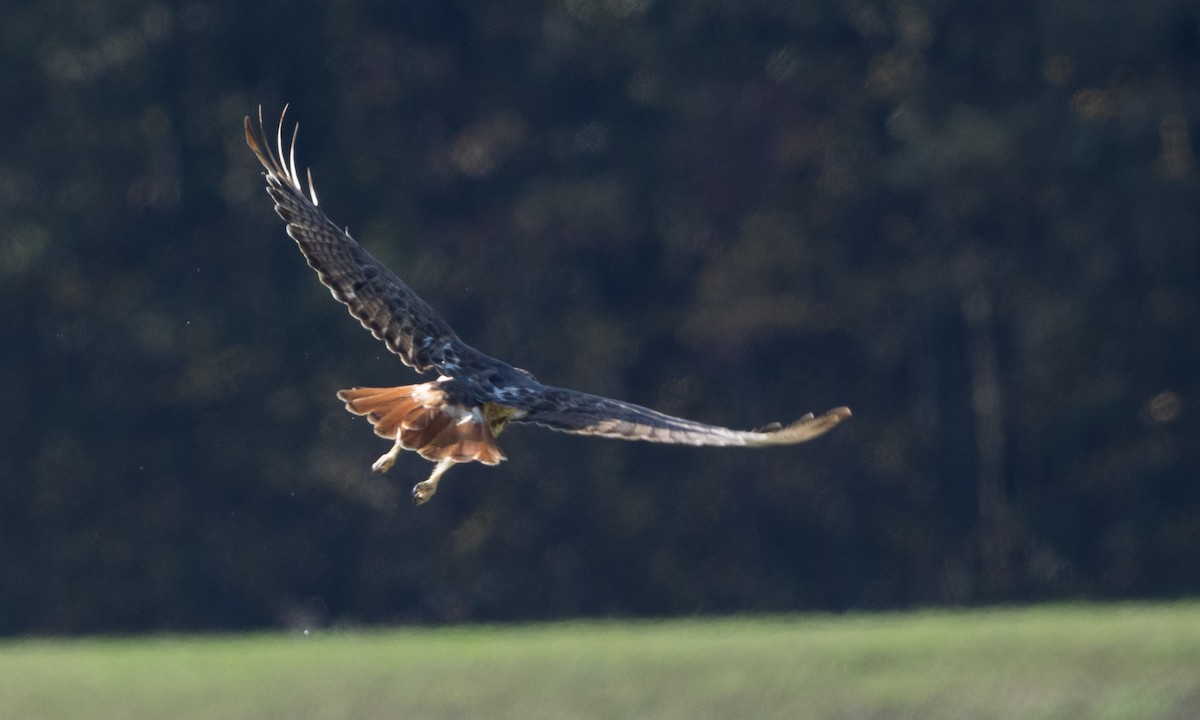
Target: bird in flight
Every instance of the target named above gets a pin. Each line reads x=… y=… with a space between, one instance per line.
x=457 y=417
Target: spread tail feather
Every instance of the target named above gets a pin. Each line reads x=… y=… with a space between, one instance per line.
x=419 y=418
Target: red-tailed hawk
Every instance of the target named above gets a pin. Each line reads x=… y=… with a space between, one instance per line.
x=457 y=417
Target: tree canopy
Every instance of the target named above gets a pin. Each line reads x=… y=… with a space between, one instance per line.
x=975 y=224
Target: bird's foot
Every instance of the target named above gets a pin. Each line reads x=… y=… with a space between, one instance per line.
x=387 y=460
x=425 y=489
x=422 y=491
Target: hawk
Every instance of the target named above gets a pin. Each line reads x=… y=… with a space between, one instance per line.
x=457 y=417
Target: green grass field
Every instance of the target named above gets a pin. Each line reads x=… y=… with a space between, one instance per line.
x=1105 y=662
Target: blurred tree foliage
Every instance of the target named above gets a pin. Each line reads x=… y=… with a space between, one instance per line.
x=976 y=224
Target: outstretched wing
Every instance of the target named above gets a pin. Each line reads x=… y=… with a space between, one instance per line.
x=380 y=300
x=583 y=414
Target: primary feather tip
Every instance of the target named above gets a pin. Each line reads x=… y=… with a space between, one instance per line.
x=806 y=428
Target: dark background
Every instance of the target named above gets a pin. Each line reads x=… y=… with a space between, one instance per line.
x=974 y=223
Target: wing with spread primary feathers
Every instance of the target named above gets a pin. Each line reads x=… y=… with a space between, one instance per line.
x=584 y=414
x=375 y=296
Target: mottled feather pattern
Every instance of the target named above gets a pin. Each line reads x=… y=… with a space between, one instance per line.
x=581 y=413
x=456 y=418
x=382 y=302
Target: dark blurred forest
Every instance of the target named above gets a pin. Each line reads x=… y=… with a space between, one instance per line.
x=976 y=224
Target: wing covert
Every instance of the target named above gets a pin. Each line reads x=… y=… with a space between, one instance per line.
x=380 y=300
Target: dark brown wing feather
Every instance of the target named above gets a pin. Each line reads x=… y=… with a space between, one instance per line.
x=411 y=329
x=583 y=414
x=374 y=295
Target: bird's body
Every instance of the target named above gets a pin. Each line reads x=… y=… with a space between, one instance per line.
x=457 y=417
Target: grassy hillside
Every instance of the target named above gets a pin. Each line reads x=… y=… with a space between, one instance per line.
x=1110 y=662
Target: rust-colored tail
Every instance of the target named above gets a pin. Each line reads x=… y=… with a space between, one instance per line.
x=418 y=417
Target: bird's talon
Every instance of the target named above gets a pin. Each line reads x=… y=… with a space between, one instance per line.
x=422 y=491
x=386 y=460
